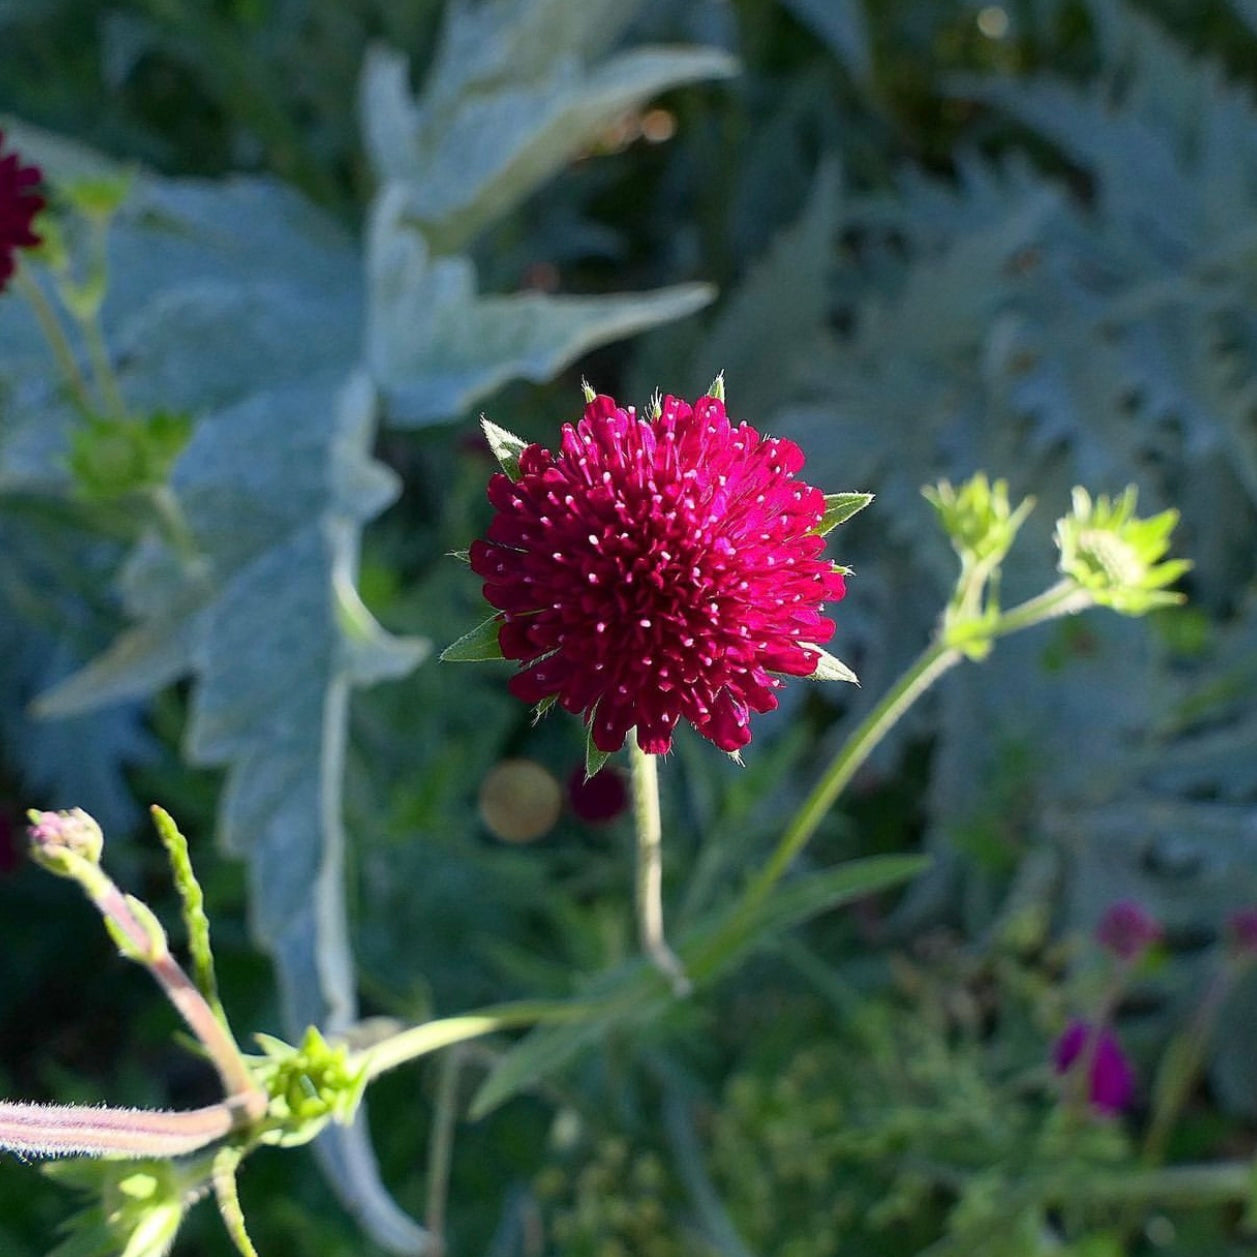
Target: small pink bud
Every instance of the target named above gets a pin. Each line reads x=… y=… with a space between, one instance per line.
x=53 y=834
x=1127 y=929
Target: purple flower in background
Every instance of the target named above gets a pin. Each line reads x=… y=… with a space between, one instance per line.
x=1242 y=928
x=600 y=798
x=1111 y=1080
x=1127 y=929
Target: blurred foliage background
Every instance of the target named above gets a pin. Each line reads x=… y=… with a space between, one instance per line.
x=943 y=236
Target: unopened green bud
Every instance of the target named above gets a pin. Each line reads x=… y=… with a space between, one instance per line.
x=1115 y=556
x=978 y=517
x=99 y=197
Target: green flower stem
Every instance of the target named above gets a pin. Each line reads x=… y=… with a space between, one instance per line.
x=928 y=667
x=102 y=368
x=1063 y=598
x=647 y=823
x=1179 y=1186
x=410 y=1044
x=441 y=1147
x=1066 y=597
x=56 y=338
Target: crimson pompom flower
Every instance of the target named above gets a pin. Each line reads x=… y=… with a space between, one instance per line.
x=659 y=569
x=19 y=204
x=1111 y=1077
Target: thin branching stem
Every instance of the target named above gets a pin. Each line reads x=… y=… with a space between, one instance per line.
x=54 y=335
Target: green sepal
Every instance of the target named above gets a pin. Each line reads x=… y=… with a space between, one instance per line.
x=839 y=507
x=594 y=758
x=154 y=933
x=463 y=556
x=829 y=667
x=717 y=389
x=543 y=708
x=477 y=646
x=506 y=446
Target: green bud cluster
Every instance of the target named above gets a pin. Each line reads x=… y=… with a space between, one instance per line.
x=309 y=1085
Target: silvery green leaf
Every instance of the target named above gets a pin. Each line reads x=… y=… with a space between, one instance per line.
x=274 y=490
x=775 y=317
x=436 y=346
x=467 y=156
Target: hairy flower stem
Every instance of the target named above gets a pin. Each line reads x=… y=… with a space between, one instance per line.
x=54 y=1130
x=147 y=947
x=646 y=822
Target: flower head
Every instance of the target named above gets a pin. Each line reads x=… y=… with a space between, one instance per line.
x=1111 y=1078
x=1127 y=929
x=53 y=835
x=658 y=569
x=19 y=204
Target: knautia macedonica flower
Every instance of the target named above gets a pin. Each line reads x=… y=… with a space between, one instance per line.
x=1128 y=929
x=1110 y=1076
x=658 y=569
x=19 y=203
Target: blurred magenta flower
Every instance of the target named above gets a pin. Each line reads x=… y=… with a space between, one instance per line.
x=1127 y=929
x=1111 y=1080
x=1242 y=929
x=599 y=798
x=19 y=204
x=658 y=569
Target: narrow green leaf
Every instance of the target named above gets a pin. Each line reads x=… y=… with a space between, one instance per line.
x=636 y=993
x=478 y=645
x=839 y=507
x=506 y=446
x=416 y=1041
x=192 y=907
x=226 y=1192
x=830 y=667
